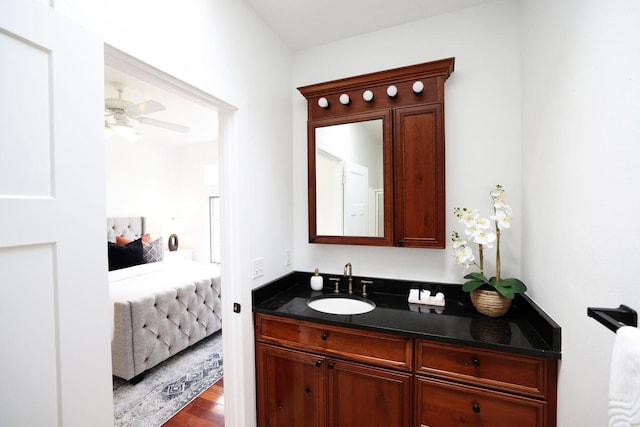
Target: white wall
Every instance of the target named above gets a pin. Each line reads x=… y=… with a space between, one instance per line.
x=223 y=49
x=160 y=182
x=482 y=109
x=141 y=181
x=581 y=123
x=194 y=197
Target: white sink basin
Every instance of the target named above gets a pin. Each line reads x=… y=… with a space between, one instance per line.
x=341 y=304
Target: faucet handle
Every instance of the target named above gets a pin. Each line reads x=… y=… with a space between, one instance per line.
x=337 y=283
x=364 y=286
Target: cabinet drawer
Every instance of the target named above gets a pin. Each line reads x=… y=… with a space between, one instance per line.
x=363 y=346
x=443 y=404
x=503 y=371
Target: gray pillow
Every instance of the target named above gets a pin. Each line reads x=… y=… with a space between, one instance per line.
x=152 y=252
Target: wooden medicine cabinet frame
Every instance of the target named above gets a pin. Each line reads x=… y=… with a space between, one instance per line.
x=410 y=102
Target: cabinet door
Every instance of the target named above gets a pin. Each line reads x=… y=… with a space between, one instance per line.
x=361 y=395
x=291 y=388
x=419 y=176
x=444 y=404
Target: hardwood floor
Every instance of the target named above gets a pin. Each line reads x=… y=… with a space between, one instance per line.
x=207 y=410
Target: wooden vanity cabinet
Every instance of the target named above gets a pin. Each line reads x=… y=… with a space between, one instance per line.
x=463 y=386
x=312 y=375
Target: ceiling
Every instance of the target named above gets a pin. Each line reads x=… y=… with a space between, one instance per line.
x=202 y=121
x=306 y=23
x=300 y=24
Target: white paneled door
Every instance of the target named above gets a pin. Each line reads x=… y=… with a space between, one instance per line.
x=356 y=200
x=54 y=327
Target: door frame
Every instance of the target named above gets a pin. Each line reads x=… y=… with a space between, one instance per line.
x=231 y=264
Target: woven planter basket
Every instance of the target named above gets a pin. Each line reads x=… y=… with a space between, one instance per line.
x=490 y=303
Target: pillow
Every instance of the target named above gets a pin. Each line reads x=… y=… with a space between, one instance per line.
x=123 y=240
x=121 y=256
x=152 y=252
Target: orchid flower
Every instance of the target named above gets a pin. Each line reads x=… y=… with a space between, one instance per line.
x=484 y=237
x=462 y=253
x=502 y=219
x=479 y=230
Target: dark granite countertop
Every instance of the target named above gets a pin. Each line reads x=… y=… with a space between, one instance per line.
x=525 y=329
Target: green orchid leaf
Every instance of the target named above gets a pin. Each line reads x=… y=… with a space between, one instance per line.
x=472 y=285
x=508 y=293
x=516 y=285
x=505 y=291
x=476 y=276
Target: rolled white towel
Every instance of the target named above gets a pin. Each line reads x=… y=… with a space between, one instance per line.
x=424 y=297
x=417 y=296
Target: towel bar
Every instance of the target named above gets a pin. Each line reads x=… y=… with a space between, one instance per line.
x=614 y=318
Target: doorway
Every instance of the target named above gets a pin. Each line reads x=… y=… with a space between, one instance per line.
x=210 y=186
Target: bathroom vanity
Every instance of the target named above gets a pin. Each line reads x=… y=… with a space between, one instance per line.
x=401 y=364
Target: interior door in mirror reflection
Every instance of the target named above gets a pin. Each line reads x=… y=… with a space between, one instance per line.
x=356 y=200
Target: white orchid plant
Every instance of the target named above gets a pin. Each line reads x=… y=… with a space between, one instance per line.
x=486 y=233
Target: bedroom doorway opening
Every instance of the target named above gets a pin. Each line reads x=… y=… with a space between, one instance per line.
x=193 y=177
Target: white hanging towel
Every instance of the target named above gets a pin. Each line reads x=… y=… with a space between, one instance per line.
x=624 y=383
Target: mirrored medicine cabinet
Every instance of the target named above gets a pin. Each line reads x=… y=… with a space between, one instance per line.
x=376 y=157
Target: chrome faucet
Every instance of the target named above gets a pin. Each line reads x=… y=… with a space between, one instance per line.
x=347 y=267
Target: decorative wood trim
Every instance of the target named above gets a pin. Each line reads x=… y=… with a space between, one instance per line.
x=442 y=67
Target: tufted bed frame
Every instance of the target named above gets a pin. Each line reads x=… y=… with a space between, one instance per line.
x=150 y=328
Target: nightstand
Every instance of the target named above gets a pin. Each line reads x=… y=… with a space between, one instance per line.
x=180 y=254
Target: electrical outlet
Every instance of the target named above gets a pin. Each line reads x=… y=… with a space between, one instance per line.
x=257 y=269
x=287 y=257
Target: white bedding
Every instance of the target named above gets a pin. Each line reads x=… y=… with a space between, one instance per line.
x=141 y=280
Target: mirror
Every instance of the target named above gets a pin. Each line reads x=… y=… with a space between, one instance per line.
x=350 y=195
x=348 y=173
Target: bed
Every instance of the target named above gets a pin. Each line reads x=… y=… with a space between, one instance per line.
x=159 y=306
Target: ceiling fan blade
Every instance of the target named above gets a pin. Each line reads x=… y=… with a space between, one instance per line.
x=162 y=124
x=146 y=107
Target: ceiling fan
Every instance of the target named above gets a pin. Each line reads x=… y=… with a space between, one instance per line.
x=122 y=112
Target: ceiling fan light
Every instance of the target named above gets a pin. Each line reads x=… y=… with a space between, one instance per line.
x=126 y=131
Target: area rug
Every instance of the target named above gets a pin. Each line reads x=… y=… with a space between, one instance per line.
x=169 y=386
